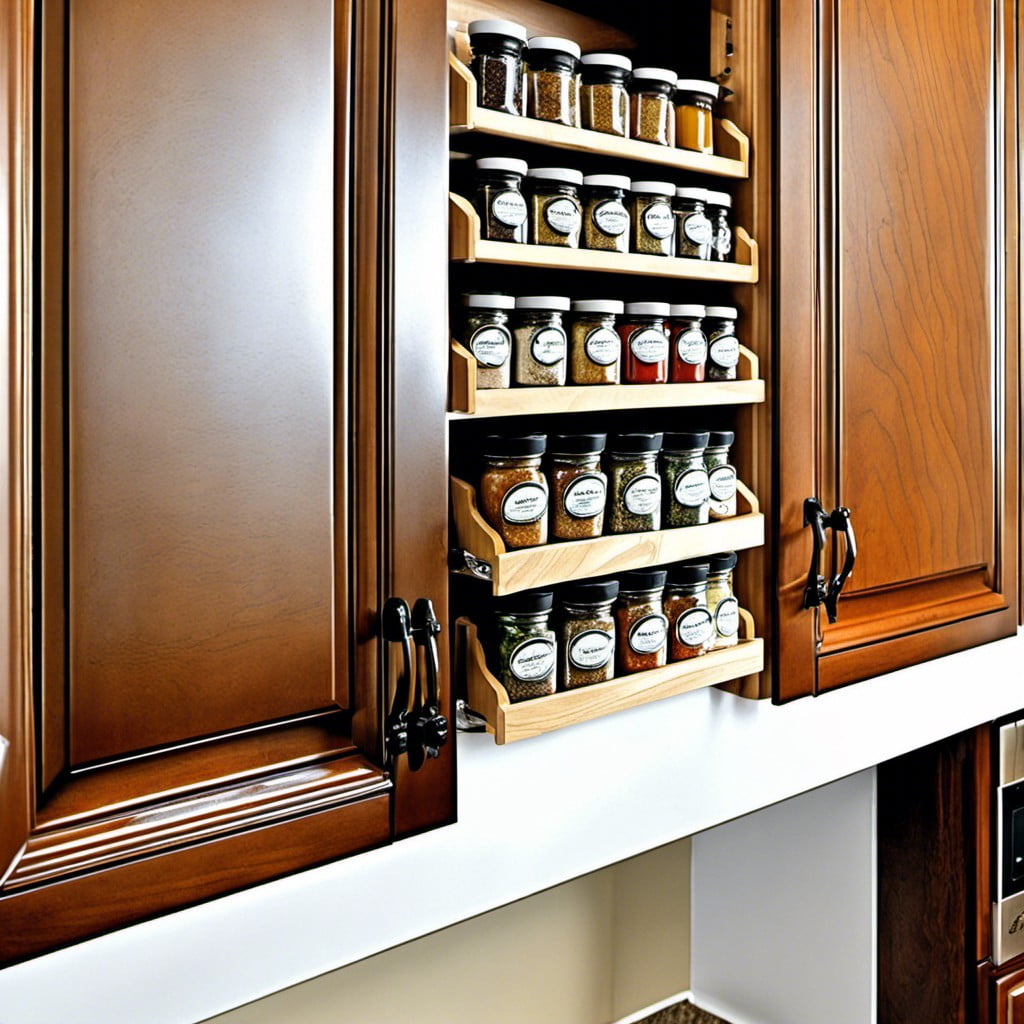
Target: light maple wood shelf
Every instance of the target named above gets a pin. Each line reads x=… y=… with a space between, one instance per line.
x=466 y=246
x=731 y=160
x=524 y=568
x=509 y=721
x=465 y=399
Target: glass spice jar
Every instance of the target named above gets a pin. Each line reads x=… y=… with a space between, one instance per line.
x=693 y=229
x=652 y=223
x=540 y=341
x=526 y=656
x=723 y=345
x=641 y=634
x=487 y=336
x=499 y=199
x=556 y=213
x=721 y=474
x=687 y=492
x=722 y=603
x=579 y=489
x=634 y=486
x=596 y=348
x=553 y=80
x=605 y=216
x=650 y=105
x=719 y=211
x=604 y=98
x=695 y=116
x=645 y=343
x=587 y=634
x=497 y=65
x=513 y=490
x=688 y=345
x=690 y=627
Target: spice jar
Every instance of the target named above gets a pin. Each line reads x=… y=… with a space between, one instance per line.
x=690 y=627
x=587 y=634
x=487 y=336
x=513 y=491
x=650 y=105
x=596 y=346
x=641 y=633
x=498 y=64
x=556 y=214
x=540 y=342
x=724 y=608
x=527 y=662
x=634 y=486
x=687 y=493
x=553 y=80
x=645 y=343
x=695 y=123
x=652 y=224
x=499 y=199
x=721 y=475
x=723 y=345
x=688 y=345
x=579 y=488
x=693 y=229
x=719 y=212
x=605 y=217
x=604 y=99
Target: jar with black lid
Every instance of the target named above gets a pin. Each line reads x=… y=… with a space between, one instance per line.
x=693 y=234
x=722 y=602
x=689 y=345
x=652 y=224
x=487 y=336
x=634 y=486
x=514 y=490
x=499 y=199
x=556 y=213
x=596 y=347
x=721 y=474
x=526 y=655
x=695 y=123
x=605 y=216
x=687 y=492
x=553 y=80
x=641 y=635
x=540 y=340
x=587 y=633
x=719 y=212
x=604 y=97
x=645 y=343
x=579 y=489
x=497 y=66
x=650 y=105
x=690 y=626
x=723 y=345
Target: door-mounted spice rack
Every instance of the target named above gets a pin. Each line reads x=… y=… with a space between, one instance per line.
x=510 y=721
x=485 y=556
x=466 y=246
x=466 y=116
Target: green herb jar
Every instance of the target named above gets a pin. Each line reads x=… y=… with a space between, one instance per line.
x=605 y=215
x=652 y=223
x=587 y=634
x=722 y=603
x=723 y=345
x=556 y=213
x=499 y=199
x=527 y=662
x=634 y=486
x=721 y=474
x=486 y=334
x=687 y=493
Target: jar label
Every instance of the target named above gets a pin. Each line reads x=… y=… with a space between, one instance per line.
x=648 y=634
x=611 y=218
x=491 y=345
x=547 y=346
x=524 y=503
x=692 y=488
x=658 y=220
x=694 y=628
x=533 y=659
x=722 y=481
x=563 y=216
x=509 y=208
x=602 y=346
x=642 y=495
x=727 y=617
x=724 y=349
x=697 y=229
x=591 y=649
x=649 y=345
x=723 y=241
x=584 y=497
x=692 y=347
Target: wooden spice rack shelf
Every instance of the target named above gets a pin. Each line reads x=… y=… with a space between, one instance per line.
x=510 y=721
x=466 y=246
x=465 y=399
x=524 y=568
x=732 y=158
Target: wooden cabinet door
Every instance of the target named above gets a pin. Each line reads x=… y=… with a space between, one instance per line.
x=1008 y=992
x=897 y=329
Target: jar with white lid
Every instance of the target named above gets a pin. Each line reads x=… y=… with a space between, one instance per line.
x=695 y=114
x=645 y=343
x=540 y=340
x=605 y=215
x=556 y=213
x=719 y=212
x=497 y=65
x=650 y=105
x=487 y=336
x=499 y=199
x=604 y=97
x=596 y=348
x=723 y=345
x=652 y=222
x=693 y=234
x=553 y=80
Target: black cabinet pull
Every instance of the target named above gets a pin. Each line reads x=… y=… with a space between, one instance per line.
x=395 y=628
x=840 y=523
x=816 y=591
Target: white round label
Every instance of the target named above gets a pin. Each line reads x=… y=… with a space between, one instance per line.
x=584 y=498
x=694 y=627
x=591 y=649
x=723 y=241
x=533 y=659
x=724 y=349
x=491 y=345
x=611 y=218
x=642 y=495
x=563 y=216
x=727 y=617
x=547 y=346
x=658 y=220
x=509 y=208
x=648 y=634
x=524 y=503
x=649 y=345
x=691 y=488
x=697 y=228
x=602 y=346
x=722 y=483
x=692 y=347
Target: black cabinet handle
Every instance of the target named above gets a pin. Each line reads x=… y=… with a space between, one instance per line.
x=395 y=628
x=816 y=591
x=840 y=523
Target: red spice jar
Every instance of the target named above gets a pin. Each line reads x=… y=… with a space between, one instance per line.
x=688 y=345
x=644 y=343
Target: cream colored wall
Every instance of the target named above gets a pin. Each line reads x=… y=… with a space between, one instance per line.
x=586 y=952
